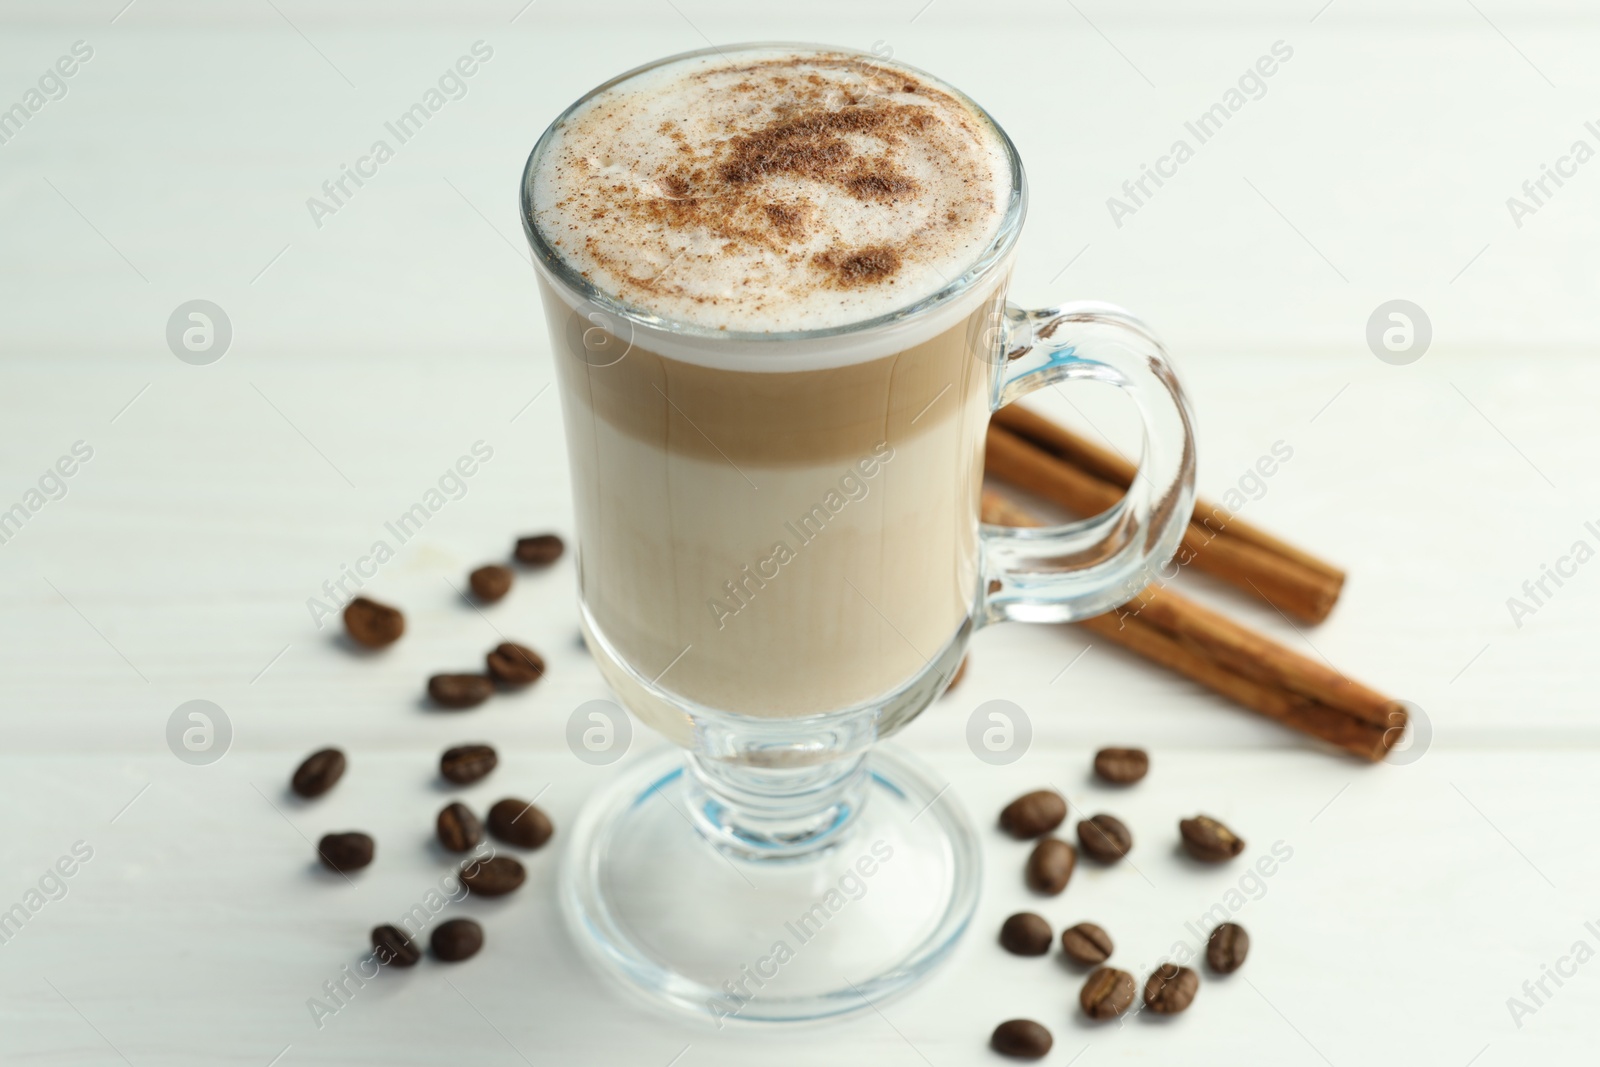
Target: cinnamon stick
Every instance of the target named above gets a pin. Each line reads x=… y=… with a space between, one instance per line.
x=1255 y=655
x=1247 y=667
x=1217 y=542
x=1292 y=709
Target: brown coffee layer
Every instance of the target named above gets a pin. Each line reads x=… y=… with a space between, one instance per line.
x=776 y=419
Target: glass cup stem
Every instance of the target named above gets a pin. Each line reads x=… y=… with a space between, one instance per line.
x=775 y=813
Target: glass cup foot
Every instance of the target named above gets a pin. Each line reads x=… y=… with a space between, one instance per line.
x=659 y=907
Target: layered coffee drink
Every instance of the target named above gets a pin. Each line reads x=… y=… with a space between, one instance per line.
x=773 y=530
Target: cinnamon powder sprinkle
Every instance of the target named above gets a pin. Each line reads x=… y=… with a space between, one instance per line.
x=865 y=266
x=760 y=206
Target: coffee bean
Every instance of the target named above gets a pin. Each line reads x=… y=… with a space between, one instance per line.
x=466 y=764
x=1227 y=948
x=1121 y=766
x=490 y=582
x=1033 y=814
x=1208 y=841
x=1025 y=934
x=458 y=691
x=1107 y=994
x=1086 y=943
x=1022 y=1038
x=345 y=852
x=494 y=877
x=517 y=822
x=458 y=828
x=1105 y=838
x=1170 y=989
x=390 y=945
x=456 y=940
x=539 y=550
x=373 y=624
x=513 y=664
x=1050 y=866
x=318 y=773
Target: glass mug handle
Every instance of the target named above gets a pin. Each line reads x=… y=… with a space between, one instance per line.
x=1080 y=569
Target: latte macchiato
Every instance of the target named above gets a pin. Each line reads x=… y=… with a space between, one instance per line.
x=775 y=278
x=774 y=530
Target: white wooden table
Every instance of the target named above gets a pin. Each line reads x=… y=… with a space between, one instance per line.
x=367 y=354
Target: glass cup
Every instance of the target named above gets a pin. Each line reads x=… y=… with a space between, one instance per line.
x=781 y=566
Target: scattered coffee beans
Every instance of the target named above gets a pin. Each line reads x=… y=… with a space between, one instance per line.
x=491 y=582
x=1105 y=838
x=459 y=829
x=373 y=624
x=1208 y=841
x=1121 y=766
x=459 y=690
x=1086 y=943
x=345 y=852
x=456 y=940
x=318 y=773
x=1227 y=948
x=539 y=550
x=466 y=764
x=517 y=822
x=1022 y=1038
x=1025 y=934
x=1107 y=994
x=1033 y=814
x=494 y=877
x=513 y=664
x=392 y=946
x=1050 y=866
x=1170 y=989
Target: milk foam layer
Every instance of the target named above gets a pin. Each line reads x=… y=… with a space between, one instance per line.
x=772 y=190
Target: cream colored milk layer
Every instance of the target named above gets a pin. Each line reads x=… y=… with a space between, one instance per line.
x=772 y=190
